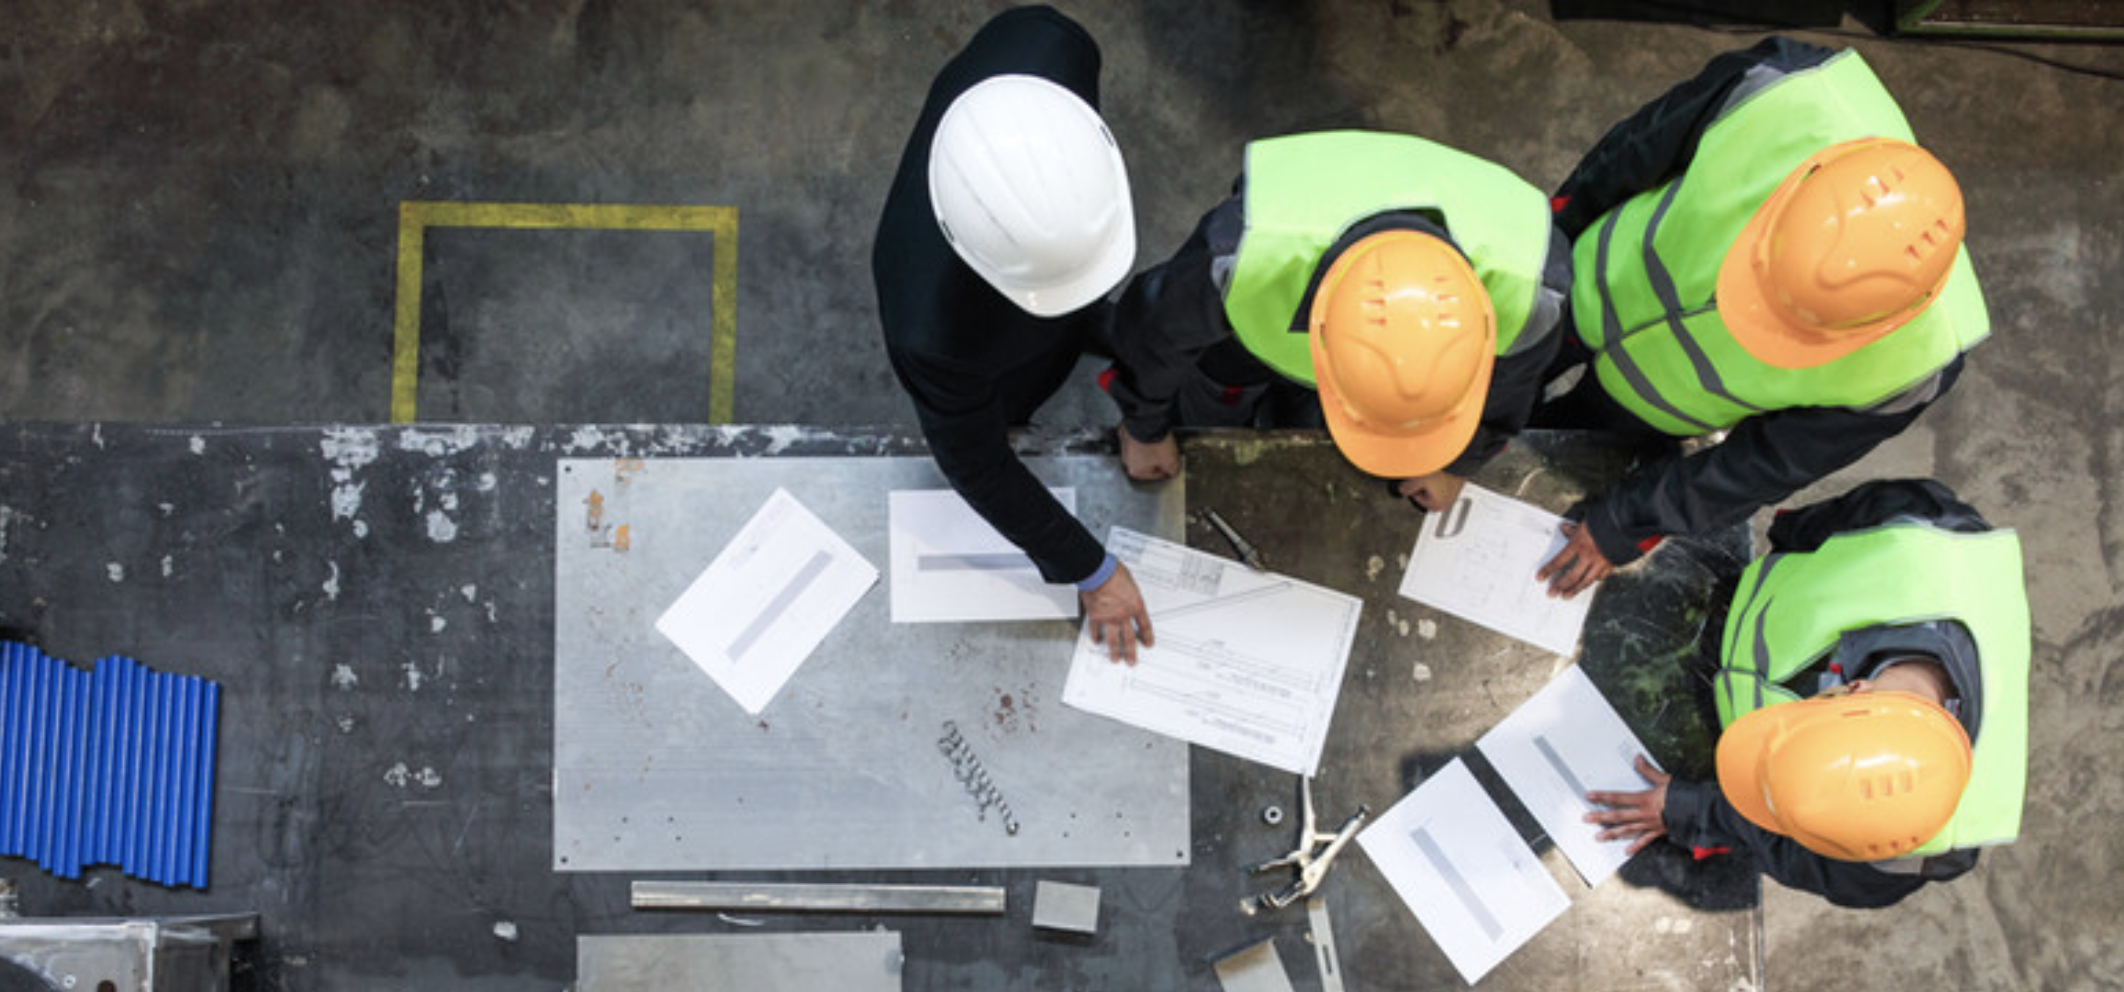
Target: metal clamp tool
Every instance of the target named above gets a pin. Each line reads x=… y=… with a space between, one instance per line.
x=1315 y=853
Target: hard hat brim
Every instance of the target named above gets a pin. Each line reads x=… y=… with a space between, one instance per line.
x=1741 y=747
x=1096 y=280
x=1744 y=305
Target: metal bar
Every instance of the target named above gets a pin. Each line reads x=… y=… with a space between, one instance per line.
x=151 y=731
x=11 y=668
x=202 y=838
x=51 y=851
x=126 y=823
x=117 y=736
x=22 y=771
x=68 y=811
x=40 y=761
x=183 y=776
x=1316 y=914
x=99 y=738
x=2023 y=19
x=84 y=772
x=982 y=900
x=165 y=780
x=137 y=789
x=54 y=857
x=22 y=721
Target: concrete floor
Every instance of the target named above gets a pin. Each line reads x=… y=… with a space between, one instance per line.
x=199 y=222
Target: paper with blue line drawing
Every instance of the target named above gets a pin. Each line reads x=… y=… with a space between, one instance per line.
x=767 y=601
x=1476 y=560
x=1451 y=855
x=1560 y=744
x=950 y=566
x=1248 y=663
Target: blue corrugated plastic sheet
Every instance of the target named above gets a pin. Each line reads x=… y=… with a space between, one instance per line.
x=114 y=766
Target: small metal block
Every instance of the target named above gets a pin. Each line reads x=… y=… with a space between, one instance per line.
x=1252 y=967
x=1062 y=906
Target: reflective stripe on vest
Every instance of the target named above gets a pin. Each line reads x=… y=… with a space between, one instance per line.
x=1644 y=296
x=1791 y=609
x=1303 y=191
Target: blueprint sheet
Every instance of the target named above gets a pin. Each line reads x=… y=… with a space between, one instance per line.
x=1476 y=560
x=1248 y=663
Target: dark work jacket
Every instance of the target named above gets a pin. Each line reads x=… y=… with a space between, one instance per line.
x=1171 y=336
x=1766 y=457
x=1698 y=815
x=972 y=361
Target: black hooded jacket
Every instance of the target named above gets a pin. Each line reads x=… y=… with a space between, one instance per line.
x=974 y=363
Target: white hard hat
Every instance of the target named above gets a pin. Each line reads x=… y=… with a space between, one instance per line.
x=1029 y=189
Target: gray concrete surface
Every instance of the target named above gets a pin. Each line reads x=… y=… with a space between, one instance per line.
x=198 y=205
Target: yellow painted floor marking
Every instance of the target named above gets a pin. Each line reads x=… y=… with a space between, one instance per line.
x=416 y=216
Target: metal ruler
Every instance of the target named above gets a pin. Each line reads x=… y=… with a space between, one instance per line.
x=761 y=896
x=1316 y=914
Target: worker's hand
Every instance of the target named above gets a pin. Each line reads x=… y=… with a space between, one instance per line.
x=1116 y=616
x=1577 y=566
x=1633 y=814
x=1149 y=461
x=1433 y=492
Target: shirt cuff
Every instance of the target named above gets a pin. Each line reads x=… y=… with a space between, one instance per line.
x=1599 y=519
x=1099 y=577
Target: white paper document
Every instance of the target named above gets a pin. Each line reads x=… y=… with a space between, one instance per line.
x=949 y=565
x=1478 y=889
x=767 y=600
x=1248 y=663
x=1476 y=560
x=1559 y=745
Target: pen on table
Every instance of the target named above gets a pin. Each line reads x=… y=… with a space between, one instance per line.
x=1246 y=551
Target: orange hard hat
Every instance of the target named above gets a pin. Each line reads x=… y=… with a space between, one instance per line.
x=1403 y=341
x=1858 y=777
x=1853 y=244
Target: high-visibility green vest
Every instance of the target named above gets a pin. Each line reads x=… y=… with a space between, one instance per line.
x=1791 y=608
x=1647 y=271
x=1303 y=191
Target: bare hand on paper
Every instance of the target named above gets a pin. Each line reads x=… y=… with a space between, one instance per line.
x=1577 y=566
x=1633 y=814
x=1116 y=616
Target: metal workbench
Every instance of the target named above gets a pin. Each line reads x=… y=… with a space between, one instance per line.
x=377 y=604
